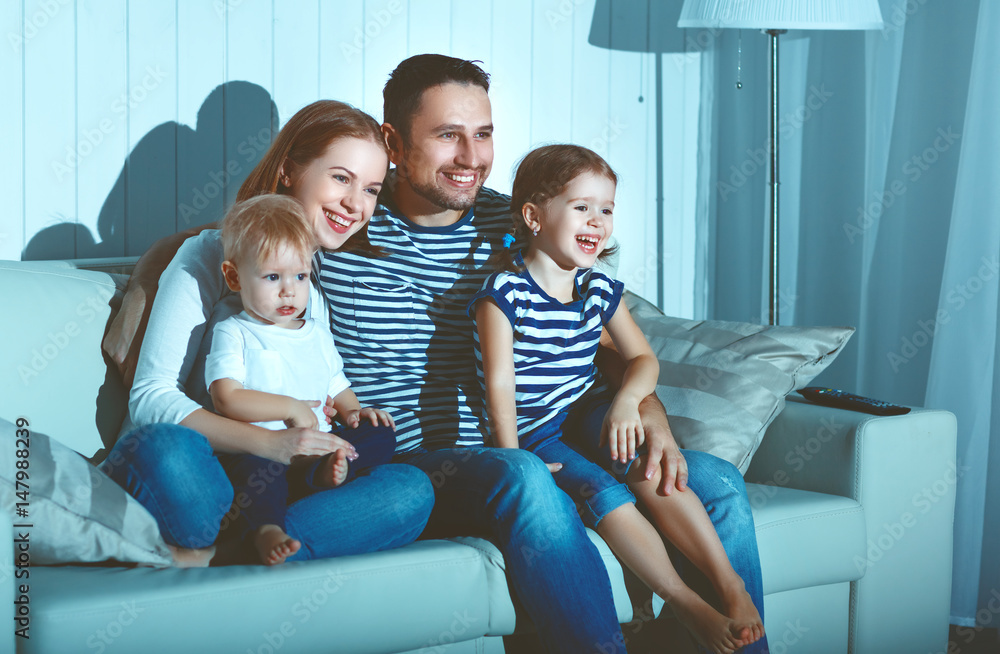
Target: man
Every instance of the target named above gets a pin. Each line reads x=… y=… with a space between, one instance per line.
x=400 y=322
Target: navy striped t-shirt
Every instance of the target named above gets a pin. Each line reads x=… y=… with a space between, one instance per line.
x=554 y=343
x=400 y=321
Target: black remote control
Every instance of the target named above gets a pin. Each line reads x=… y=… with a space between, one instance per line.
x=845 y=400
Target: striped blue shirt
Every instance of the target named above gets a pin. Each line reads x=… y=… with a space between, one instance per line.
x=401 y=324
x=554 y=343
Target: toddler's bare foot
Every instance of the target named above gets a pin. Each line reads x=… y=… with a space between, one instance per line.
x=737 y=605
x=710 y=628
x=333 y=469
x=274 y=545
x=188 y=558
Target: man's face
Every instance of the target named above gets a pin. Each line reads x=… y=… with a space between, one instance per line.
x=449 y=152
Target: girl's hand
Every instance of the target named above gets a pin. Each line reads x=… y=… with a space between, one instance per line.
x=554 y=467
x=622 y=430
x=289 y=444
x=302 y=414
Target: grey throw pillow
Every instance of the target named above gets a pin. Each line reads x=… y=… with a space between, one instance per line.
x=77 y=513
x=722 y=383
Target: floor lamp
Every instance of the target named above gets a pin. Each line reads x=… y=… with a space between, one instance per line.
x=775 y=17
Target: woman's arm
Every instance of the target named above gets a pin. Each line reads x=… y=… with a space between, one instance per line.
x=496 y=343
x=623 y=424
x=228 y=435
x=125 y=332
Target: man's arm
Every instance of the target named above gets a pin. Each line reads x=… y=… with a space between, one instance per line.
x=661 y=447
x=126 y=331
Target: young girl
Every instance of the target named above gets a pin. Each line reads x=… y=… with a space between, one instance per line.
x=538 y=325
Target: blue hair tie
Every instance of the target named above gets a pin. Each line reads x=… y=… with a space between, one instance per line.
x=508 y=240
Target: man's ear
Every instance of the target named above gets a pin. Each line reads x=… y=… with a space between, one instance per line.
x=393 y=141
x=531 y=214
x=232 y=275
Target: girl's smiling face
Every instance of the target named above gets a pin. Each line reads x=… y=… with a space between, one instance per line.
x=574 y=226
x=339 y=188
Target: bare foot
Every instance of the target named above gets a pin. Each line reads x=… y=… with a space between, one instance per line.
x=334 y=469
x=188 y=558
x=711 y=629
x=274 y=545
x=737 y=605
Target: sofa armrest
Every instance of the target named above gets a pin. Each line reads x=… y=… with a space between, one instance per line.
x=903 y=472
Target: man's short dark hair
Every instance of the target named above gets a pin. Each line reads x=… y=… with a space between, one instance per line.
x=404 y=90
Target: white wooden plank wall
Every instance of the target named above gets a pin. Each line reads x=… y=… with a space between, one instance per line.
x=126 y=121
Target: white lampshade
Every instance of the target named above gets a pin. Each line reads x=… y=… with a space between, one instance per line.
x=782 y=14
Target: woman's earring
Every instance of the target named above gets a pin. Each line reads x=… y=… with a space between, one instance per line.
x=535 y=232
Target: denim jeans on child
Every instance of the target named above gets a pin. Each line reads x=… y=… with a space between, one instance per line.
x=263 y=488
x=173 y=472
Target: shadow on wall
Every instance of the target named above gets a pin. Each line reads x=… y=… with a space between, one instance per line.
x=174 y=179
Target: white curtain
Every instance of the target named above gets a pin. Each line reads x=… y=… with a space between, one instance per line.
x=890 y=192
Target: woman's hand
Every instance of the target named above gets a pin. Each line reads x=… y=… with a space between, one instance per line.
x=289 y=444
x=622 y=429
x=301 y=414
x=124 y=336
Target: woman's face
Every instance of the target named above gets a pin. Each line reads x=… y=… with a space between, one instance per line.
x=339 y=188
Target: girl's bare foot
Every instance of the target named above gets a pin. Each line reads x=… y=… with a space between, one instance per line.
x=333 y=469
x=737 y=605
x=188 y=558
x=274 y=545
x=710 y=628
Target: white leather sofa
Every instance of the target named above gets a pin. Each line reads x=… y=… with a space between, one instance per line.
x=853 y=513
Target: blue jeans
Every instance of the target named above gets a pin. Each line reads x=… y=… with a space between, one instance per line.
x=553 y=568
x=593 y=489
x=173 y=472
x=721 y=489
x=264 y=488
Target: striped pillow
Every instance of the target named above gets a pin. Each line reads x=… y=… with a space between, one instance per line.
x=77 y=514
x=722 y=383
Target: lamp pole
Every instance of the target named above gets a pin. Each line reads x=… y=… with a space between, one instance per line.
x=772 y=312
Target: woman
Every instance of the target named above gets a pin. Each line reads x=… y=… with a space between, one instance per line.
x=330 y=157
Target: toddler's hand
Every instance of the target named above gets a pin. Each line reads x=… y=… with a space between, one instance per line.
x=369 y=414
x=329 y=410
x=622 y=430
x=302 y=414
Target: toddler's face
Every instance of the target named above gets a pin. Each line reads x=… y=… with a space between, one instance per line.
x=275 y=290
x=575 y=225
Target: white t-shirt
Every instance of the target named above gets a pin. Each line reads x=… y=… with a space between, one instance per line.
x=170 y=376
x=300 y=363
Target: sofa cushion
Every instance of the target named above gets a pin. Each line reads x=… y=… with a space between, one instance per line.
x=426 y=594
x=77 y=513
x=724 y=382
x=807 y=539
x=57 y=361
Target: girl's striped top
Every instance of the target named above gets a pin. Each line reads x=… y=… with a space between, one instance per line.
x=554 y=343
